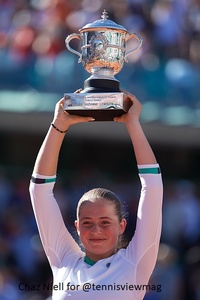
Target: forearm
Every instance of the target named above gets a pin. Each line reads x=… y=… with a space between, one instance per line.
x=47 y=159
x=142 y=149
x=143 y=152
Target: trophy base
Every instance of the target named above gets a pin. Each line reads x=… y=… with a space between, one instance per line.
x=100 y=99
x=100 y=106
x=98 y=114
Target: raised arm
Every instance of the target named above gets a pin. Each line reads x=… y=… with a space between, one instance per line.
x=56 y=240
x=143 y=248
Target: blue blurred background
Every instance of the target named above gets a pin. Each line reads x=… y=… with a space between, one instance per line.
x=36 y=69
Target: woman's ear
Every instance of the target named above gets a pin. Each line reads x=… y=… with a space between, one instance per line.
x=122 y=226
x=76 y=225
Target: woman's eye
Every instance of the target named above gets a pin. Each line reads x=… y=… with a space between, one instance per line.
x=87 y=223
x=105 y=222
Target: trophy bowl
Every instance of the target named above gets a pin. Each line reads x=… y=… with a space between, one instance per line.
x=103 y=53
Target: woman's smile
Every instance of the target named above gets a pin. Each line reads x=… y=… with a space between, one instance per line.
x=96 y=240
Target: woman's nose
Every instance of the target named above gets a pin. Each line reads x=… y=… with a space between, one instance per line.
x=96 y=229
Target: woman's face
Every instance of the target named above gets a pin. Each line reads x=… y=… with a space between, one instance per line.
x=99 y=228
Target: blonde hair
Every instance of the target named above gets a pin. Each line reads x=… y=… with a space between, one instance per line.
x=101 y=193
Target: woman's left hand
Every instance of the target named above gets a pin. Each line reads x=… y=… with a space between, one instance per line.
x=134 y=111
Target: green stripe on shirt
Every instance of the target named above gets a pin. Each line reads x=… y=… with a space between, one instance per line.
x=50 y=180
x=149 y=170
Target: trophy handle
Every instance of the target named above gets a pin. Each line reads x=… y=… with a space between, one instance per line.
x=67 y=41
x=140 y=40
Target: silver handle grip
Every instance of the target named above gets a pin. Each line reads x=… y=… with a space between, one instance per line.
x=137 y=37
x=67 y=41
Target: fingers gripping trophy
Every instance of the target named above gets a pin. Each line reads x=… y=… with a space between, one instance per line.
x=103 y=46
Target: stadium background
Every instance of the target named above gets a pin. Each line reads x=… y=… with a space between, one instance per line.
x=35 y=71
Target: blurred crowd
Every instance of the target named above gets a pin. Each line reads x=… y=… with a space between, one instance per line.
x=38 y=28
x=33 y=32
x=24 y=266
x=33 y=56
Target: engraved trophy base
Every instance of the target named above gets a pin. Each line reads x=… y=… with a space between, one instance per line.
x=100 y=99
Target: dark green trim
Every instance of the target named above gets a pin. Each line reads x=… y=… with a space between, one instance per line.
x=50 y=180
x=88 y=261
x=42 y=180
x=149 y=171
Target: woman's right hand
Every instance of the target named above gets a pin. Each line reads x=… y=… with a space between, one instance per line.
x=62 y=119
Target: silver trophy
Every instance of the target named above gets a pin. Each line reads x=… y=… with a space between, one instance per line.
x=103 y=46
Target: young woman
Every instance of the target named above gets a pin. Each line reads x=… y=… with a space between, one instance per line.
x=102 y=270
